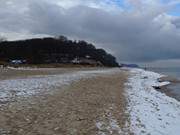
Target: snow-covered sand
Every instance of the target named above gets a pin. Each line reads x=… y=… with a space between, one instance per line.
x=108 y=125
x=12 y=88
x=151 y=112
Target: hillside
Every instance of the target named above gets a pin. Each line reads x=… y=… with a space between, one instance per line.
x=54 y=50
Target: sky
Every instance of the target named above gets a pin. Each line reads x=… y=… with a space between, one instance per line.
x=146 y=32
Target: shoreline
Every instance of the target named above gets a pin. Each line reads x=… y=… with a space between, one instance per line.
x=95 y=101
x=168 y=89
x=172 y=89
x=151 y=111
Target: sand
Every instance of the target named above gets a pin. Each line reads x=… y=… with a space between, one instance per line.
x=86 y=107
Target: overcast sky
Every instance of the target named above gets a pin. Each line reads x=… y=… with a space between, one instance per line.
x=135 y=31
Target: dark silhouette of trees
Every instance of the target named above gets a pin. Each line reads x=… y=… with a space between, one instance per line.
x=53 y=50
x=2 y=39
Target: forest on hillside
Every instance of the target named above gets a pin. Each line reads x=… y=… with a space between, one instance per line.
x=54 y=50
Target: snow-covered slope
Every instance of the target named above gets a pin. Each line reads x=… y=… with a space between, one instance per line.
x=151 y=112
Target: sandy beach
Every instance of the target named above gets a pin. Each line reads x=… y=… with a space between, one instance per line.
x=87 y=106
x=85 y=101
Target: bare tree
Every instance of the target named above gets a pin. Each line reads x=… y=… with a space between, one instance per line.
x=62 y=38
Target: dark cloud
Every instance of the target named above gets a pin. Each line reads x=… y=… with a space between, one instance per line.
x=131 y=35
x=176 y=22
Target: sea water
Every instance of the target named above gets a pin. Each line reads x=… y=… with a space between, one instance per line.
x=172 y=72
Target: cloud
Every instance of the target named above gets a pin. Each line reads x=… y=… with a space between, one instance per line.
x=138 y=31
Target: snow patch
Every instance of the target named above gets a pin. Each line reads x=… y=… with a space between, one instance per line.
x=151 y=112
x=108 y=125
x=10 y=89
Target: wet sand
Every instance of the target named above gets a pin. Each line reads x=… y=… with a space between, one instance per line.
x=71 y=110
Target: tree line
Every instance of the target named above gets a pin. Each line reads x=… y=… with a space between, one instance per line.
x=53 y=50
